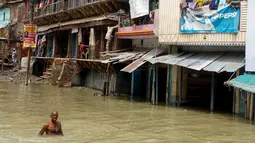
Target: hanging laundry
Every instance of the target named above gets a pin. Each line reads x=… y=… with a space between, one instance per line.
x=222 y=2
x=200 y=3
x=192 y=5
x=235 y=4
x=183 y=5
x=214 y=4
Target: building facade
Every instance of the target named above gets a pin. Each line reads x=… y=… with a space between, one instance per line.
x=205 y=50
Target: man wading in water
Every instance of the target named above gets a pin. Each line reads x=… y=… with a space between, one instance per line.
x=53 y=127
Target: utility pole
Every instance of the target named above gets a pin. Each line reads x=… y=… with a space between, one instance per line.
x=31 y=18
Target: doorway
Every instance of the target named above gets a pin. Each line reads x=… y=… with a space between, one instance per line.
x=199 y=91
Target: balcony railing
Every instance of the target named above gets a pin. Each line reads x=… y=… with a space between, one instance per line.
x=50 y=8
x=61 y=5
x=78 y=3
x=126 y=21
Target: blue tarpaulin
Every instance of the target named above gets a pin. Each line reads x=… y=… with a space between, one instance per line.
x=245 y=82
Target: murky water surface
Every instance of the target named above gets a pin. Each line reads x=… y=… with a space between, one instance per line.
x=87 y=118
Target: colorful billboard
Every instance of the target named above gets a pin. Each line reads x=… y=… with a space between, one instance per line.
x=204 y=20
x=29 y=40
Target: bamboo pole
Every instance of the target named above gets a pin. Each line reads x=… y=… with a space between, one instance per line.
x=248 y=104
x=167 y=85
x=149 y=83
x=153 y=86
x=157 y=85
x=212 y=92
x=181 y=86
x=31 y=16
x=3 y=55
x=251 y=106
x=132 y=85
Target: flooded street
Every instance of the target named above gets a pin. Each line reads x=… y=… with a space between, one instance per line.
x=88 y=118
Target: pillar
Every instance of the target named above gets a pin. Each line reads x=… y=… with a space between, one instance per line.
x=237 y=95
x=102 y=40
x=184 y=83
x=69 y=48
x=251 y=106
x=175 y=70
x=132 y=85
x=54 y=45
x=175 y=83
x=212 y=92
x=149 y=83
x=153 y=85
x=167 y=85
x=156 y=74
x=180 y=85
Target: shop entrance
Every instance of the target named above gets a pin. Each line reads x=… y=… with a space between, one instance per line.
x=199 y=91
x=62 y=43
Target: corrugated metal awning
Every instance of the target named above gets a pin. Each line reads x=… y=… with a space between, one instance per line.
x=136 y=64
x=245 y=82
x=213 y=62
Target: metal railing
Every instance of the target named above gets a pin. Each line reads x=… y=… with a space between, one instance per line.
x=51 y=8
x=78 y=3
x=61 y=5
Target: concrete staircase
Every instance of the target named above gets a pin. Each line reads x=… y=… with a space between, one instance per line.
x=48 y=73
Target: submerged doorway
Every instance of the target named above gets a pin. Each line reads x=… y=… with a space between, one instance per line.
x=199 y=91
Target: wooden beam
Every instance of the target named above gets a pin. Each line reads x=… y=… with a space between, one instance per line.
x=85 y=64
x=102 y=8
x=83 y=13
x=99 y=9
x=95 y=9
x=86 y=9
x=115 y=5
x=108 y=6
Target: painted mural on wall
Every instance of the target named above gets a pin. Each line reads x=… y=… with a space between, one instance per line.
x=204 y=20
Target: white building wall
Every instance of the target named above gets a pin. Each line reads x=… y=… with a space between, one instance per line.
x=147 y=43
x=250 y=42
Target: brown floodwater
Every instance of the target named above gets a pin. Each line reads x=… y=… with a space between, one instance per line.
x=92 y=119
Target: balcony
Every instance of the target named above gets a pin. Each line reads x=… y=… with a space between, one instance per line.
x=142 y=27
x=50 y=9
x=65 y=10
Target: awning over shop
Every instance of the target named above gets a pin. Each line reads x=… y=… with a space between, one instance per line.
x=125 y=56
x=87 y=22
x=245 y=82
x=139 y=62
x=210 y=61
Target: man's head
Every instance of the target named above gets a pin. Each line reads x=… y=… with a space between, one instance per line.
x=54 y=116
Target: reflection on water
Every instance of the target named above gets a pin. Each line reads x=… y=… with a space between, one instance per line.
x=88 y=118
